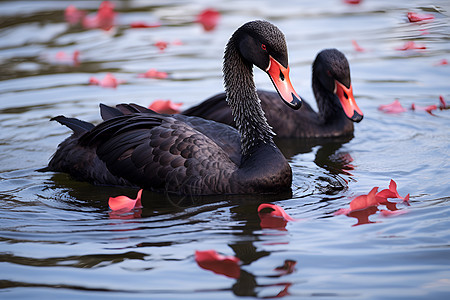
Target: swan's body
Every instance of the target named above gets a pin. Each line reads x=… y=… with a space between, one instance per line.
x=137 y=147
x=331 y=84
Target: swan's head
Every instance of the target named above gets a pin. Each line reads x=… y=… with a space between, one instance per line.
x=263 y=45
x=332 y=69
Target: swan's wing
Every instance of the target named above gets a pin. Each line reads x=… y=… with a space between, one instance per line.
x=224 y=136
x=161 y=153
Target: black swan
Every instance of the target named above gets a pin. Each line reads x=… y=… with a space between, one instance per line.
x=333 y=91
x=137 y=147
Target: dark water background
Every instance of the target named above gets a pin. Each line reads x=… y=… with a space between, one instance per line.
x=58 y=240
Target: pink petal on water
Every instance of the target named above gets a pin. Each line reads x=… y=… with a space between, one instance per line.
x=165 y=107
x=357 y=47
x=153 y=73
x=125 y=204
x=415 y=17
x=273 y=216
x=139 y=24
x=109 y=81
x=442 y=62
x=392 y=108
x=208 y=18
x=410 y=45
x=73 y=15
x=364 y=201
x=161 y=45
x=104 y=19
x=442 y=101
x=353 y=2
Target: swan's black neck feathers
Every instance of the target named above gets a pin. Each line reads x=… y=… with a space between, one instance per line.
x=243 y=99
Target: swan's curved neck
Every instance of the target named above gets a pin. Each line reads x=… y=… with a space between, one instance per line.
x=243 y=100
x=327 y=102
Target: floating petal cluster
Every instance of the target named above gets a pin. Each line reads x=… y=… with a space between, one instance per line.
x=109 y=81
x=396 y=107
x=103 y=19
x=364 y=206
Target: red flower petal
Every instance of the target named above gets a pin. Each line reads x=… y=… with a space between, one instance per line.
x=104 y=19
x=153 y=73
x=123 y=203
x=429 y=109
x=219 y=264
x=442 y=62
x=109 y=81
x=272 y=216
x=165 y=107
x=209 y=18
x=144 y=25
x=357 y=47
x=366 y=205
x=391 y=193
x=392 y=108
x=277 y=211
x=406 y=200
x=353 y=2
x=393 y=188
x=410 y=45
x=94 y=81
x=162 y=45
x=443 y=104
x=73 y=16
x=364 y=201
x=415 y=17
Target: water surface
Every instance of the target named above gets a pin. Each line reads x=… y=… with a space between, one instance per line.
x=58 y=239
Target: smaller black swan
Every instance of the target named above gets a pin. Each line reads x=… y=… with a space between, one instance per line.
x=186 y=155
x=333 y=91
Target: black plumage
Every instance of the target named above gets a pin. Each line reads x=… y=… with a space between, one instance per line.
x=137 y=147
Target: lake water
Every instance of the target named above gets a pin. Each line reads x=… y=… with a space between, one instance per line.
x=59 y=240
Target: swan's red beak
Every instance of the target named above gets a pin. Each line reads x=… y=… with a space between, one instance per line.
x=280 y=79
x=348 y=102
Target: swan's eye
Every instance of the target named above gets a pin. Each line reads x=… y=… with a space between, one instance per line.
x=263 y=47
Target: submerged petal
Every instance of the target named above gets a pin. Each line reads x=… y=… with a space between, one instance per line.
x=219 y=264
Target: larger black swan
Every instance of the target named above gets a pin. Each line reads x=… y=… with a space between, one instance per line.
x=332 y=89
x=186 y=155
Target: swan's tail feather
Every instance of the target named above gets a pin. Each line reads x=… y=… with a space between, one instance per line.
x=79 y=127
